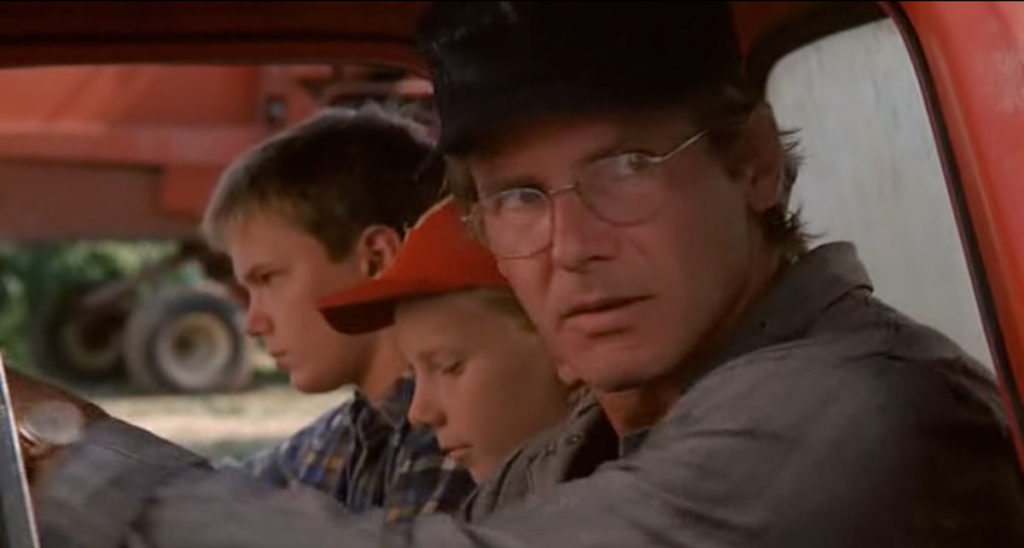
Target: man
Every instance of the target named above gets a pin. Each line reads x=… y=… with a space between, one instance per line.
x=634 y=193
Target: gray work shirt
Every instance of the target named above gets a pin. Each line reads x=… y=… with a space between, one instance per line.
x=571 y=450
x=826 y=419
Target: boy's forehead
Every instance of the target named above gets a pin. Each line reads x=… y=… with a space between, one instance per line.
x=255 y=224
x=445 y=318
x=253 y=239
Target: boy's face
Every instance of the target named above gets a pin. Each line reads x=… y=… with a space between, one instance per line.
x=285 y=270
x=483 y=382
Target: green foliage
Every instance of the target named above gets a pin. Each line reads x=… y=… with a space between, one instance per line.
x=31 y=273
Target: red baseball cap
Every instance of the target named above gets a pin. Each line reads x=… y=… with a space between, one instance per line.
x=438 y=256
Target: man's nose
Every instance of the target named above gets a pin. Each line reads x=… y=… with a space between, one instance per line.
x=578 y=235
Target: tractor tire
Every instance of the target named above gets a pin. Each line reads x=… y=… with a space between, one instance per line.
x=76 y=345
x=187 y=339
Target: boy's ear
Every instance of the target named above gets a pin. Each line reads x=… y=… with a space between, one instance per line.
x=376 y=249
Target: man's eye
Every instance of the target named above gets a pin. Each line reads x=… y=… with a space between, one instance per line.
x=518 y=198
x=632 y=162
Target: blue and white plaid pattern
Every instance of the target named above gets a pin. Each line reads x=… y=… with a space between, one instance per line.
x=369 y=457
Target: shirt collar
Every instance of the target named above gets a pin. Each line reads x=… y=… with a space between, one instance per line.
x=801 y=295
x=395 y=403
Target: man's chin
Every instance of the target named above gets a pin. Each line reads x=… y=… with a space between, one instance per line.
x=616 y=368
x=609 y=384
x=615 y=375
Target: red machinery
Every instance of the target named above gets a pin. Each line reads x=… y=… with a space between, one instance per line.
x=133 y=151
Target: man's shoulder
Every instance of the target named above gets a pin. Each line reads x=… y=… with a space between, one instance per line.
x=572 y=449
x=880 y=426
x=862 y=359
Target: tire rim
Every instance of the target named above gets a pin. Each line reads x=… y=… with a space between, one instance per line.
x=194 y=350
x=91 y=346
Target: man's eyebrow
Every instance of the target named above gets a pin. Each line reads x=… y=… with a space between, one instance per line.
x=490 y=188
x=611 y=149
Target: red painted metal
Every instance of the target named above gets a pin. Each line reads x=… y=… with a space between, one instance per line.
x=974 y=53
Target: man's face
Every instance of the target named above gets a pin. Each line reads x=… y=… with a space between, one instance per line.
x=626 y=305
x=285 y=270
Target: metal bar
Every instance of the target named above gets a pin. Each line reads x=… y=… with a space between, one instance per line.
x=17 y=522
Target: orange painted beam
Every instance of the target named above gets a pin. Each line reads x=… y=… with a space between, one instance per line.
x=975 y=54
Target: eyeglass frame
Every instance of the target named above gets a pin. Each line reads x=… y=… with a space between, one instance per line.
x=476 y=214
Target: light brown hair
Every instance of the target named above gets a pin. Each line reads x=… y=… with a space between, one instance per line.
x=332 y=175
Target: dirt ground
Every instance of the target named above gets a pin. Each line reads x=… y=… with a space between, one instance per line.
x=223 y=424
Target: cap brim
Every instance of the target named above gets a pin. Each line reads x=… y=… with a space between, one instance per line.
x=371 y=306
x=365 y=308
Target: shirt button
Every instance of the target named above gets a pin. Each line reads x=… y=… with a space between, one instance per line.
x=575 y=438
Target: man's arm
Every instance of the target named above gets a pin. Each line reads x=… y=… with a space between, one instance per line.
x=159 y=497
x=761 y=454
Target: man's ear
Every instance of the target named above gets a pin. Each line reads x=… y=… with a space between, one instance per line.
x=760 y=160
x=376 y=249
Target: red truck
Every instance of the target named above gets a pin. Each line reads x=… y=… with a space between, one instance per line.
x=968 y=59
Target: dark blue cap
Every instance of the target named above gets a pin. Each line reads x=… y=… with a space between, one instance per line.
x=497 y=62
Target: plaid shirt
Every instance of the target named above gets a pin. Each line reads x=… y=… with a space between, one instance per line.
x=368 y=457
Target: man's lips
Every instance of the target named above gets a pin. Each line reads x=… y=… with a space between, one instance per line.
x=598 y=306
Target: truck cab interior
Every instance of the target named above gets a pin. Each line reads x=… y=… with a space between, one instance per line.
x=965 y=66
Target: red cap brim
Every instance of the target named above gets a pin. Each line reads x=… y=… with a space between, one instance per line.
x=437 y=257
x=371 y=306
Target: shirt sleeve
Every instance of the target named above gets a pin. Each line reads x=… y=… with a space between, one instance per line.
x=270 y=465
x=424 y=480
x=765 y=455
x=314 y=456
x=100 y=484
